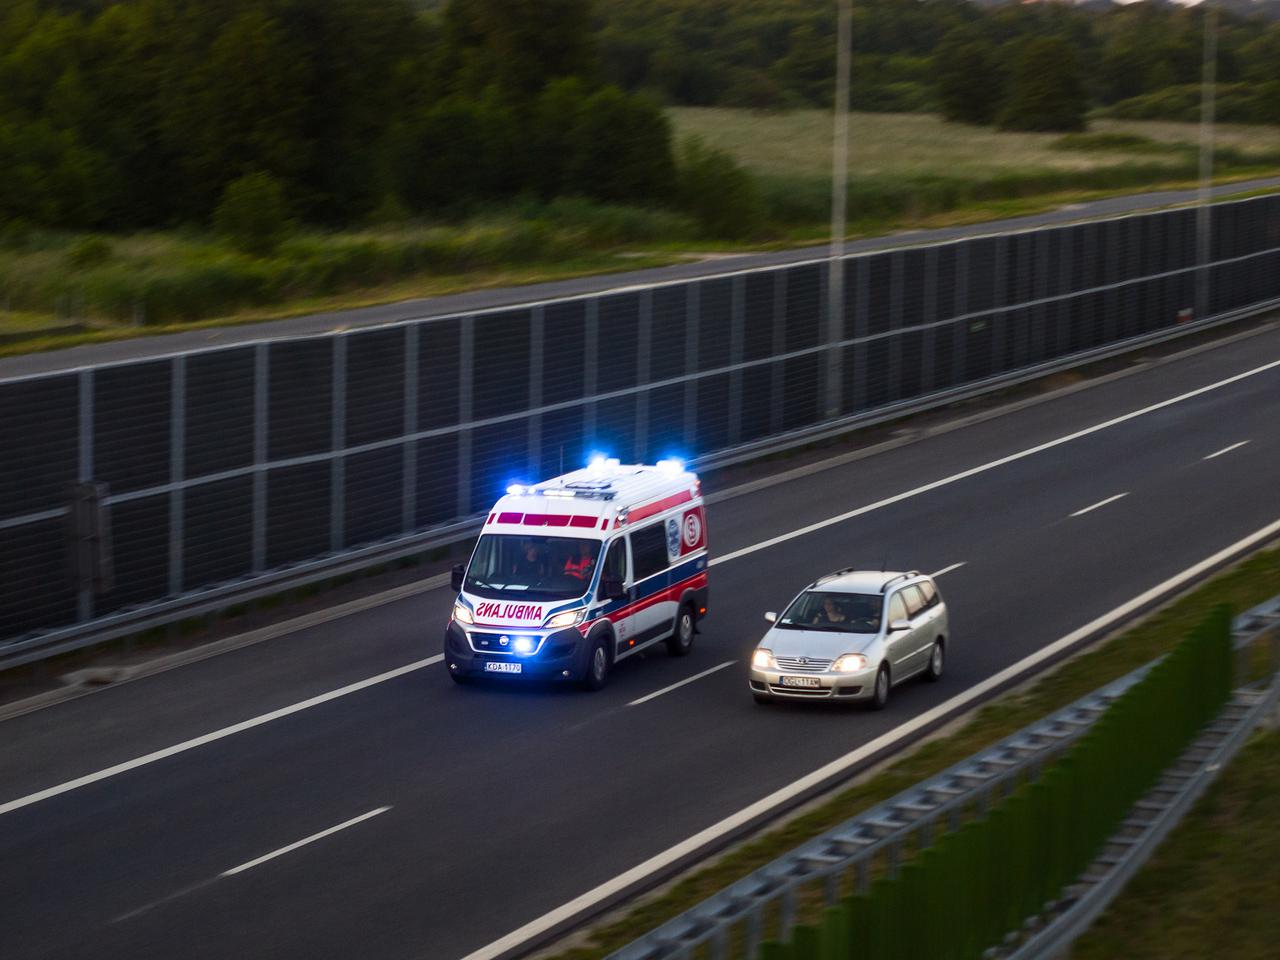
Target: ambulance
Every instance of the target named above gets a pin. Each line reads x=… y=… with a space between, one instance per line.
x=572 y=575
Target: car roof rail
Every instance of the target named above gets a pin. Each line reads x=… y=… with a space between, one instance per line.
x=835 y=573
x=894 y=579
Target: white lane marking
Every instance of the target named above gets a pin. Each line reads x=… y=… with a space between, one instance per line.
x=677 y=686
x=1234 y=446
x=954 y=566
x=1100 y=503
x=177 y=894
x=235 y=728
x=761 y=807
x=303 y=842
x=983 y=468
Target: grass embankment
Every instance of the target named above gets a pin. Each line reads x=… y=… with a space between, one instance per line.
x=1210 y=889
x=907 y=168
x=1245 y=586
x=906 y=171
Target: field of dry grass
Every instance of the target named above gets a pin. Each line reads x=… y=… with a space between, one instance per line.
x=798 y=143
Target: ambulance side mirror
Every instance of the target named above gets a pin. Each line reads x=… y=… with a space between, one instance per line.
x=613 y=588
x=455 y=578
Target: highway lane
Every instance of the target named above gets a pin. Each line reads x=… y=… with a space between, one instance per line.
x=152 y=346
x=506 y=803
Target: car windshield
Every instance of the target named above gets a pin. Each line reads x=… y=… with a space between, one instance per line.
x=836 y=612
x=506 y=567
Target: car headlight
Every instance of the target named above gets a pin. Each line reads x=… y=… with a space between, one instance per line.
x=762 y=659
x=850 y=663
x=570 y=618
x=463 y=613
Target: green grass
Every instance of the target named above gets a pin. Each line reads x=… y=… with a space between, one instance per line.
x=1248 y=584
x=1210 y=889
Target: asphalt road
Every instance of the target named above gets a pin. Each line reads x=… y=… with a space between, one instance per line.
x=154 y=346
x=484 y=808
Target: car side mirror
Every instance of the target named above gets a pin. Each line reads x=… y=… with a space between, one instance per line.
x=613 y=588
x=771 y=617
x=456 y=576
x=899 y=625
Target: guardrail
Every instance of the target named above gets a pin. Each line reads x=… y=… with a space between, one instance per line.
x=842 y=862
x=233 y=472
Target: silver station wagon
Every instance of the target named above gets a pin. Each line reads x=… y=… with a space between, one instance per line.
x=852 y=635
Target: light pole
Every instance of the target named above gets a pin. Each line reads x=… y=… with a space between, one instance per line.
x=839 y=194
x=1204 y=219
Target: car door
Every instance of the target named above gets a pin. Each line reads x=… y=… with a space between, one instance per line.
x=921 y=627
x=901 y=643
x=650 y=569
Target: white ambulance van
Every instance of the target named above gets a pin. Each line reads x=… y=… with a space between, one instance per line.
x=574 y=574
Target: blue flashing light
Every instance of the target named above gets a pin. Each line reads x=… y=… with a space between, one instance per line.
x=523 y=644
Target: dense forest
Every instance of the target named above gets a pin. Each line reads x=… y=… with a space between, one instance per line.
x=143 y=113
x=779 y=54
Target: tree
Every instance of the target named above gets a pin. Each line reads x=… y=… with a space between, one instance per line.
x=252 y=214
x=968 y=78
x=519 y=45
x=624 y=148
x=1046 y=91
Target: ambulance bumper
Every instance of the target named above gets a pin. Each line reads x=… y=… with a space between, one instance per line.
x=561 y=656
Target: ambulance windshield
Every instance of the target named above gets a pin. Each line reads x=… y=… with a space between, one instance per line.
x=507 y=567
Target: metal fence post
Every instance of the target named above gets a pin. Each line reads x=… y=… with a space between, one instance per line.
x=643 y=365
x=84 y=599
x=537 y=337
x=895 y=325
x=692 y=315
x=861 y=298
x=589 y=373
x=737 y=323
x=1000 y=331
x=960 y=328
x=338 y=465
x=409 y=465
x=929 y=317
x=777 y=379
x=466 y=362
x=177 y=467
x=261 y=409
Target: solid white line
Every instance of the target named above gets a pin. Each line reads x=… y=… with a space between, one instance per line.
x=1234 y=446
x=677 y=686
x=302 y=843
x=235 y=728
x=1100 y=503
x=761 y=807
x=974 y=471
x=954 y=566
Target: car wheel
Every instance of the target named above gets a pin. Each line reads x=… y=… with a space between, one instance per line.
x=597 y=674
x=880 y=694
x=681 y=640
x=937 y=660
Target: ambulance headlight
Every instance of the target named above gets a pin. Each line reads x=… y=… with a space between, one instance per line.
x=850 y=663
x=463 y=614
x=523 y=644
x=762 y=659
x=570 y=618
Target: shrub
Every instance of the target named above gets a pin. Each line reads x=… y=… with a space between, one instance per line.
x=968 y=79
x=1046 y=89
x=252 y=214
x=88 y=252
x=720 y=195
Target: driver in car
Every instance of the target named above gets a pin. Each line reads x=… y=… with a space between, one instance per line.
x=528 y=567
x=831 y=612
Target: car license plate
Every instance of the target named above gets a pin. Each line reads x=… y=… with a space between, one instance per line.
x=497 y=667
x=800 y=682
